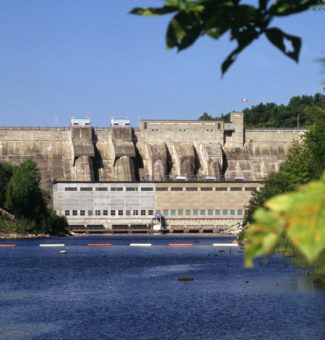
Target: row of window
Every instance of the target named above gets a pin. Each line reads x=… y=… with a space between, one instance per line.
x=201 y=212
x=108 y=212
x=106 y=189
x=161 y=189
x=173 y=212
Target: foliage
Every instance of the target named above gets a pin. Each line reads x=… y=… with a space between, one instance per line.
x=271 y=115
x=295 y=220
x=315 y=139
x=6 y=171
x=294 y=171
x=298 y=217
x=24 y=196
x=244 y=22
x=206 y=116
x=25 y=199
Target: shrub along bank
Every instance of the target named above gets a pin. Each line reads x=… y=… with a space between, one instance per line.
x=22 y=197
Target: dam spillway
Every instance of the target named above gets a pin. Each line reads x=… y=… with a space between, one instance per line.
x=178 y=160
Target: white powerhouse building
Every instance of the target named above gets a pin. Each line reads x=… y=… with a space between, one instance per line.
x=126 y=206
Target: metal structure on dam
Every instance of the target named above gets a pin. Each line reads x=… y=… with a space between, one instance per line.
x=197 y=175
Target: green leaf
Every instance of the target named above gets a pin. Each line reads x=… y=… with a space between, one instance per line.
x=264 y=236
x=153 y=11
x=279 y=203
x=278 y=38
x=285 y=8
x=183 y=30
x=243 y=39
x=306 y=220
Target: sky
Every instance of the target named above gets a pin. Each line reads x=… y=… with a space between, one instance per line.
x=64 y=58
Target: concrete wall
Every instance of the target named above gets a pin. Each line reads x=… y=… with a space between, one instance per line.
x=158 y=150
x=51 y=148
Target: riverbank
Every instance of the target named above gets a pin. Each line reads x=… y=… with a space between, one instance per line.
x=13 y=236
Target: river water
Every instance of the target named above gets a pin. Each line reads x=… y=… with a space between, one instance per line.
x=123 y=292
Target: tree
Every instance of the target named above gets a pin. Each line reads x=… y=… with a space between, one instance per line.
x=294 y=171
x=6 y=171
x=206 y=116
x=245 y=23
x=315 y=139
x=296 y=219
x=24 y=196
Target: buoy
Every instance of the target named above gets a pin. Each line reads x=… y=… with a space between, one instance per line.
x=180 y=244
x=225 y=244
x=99 y=244
x=140 y=244
x=52 y=245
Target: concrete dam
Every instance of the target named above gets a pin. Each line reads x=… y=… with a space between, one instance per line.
x=194 y=176
x=156 y=151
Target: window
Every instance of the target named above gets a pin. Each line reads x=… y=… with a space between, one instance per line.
x=235 y=189
x=105 y=212
x=101 y=189
x=112 y=212
x=120 y=212
x=202 y=212
x=74 y=212
x=195 y=212
x=165 y=212
x=224 y=212
x=143 y=212
x=210 y=212
x=116 y=189
x=180 y=212
x=239 y=212
x=82 y=212
x=90 y=213
x=97 y=212
x=150 y=212
x=67 y=212
x=217 y=212
x=86 y=189
x=187 y=212
x=128 y=212
x=132 y=189
x=135 y=213
x=219 y=126
x=70 y=189
x=221 y=189
x=250 y=189
x=191 y=189
x=176 y=189
x=161 y=189
x=146 y=189
x=158 y=211
x=232 y=212
x=206 y=189
x=173 y=212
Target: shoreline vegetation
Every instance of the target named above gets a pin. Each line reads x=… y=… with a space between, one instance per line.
x=24 y=206
x=11 y=235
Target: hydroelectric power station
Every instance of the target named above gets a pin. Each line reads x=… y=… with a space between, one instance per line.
x=185 y=176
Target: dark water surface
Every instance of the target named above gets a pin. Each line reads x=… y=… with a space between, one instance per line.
x=123 y=292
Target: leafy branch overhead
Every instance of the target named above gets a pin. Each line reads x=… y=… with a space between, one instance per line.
x=298 y=217
x=245 y=23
